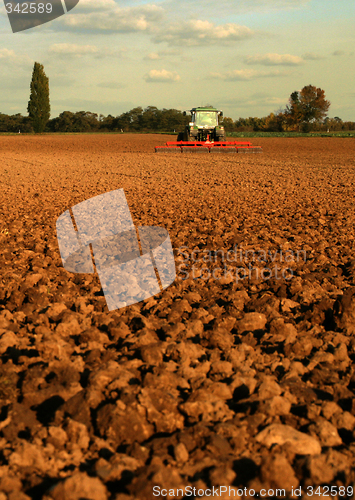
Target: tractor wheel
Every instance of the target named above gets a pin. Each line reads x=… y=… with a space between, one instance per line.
x=180 y=137
x=188 y=137
x=219 y=138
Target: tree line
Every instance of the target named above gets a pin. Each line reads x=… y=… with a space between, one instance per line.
x=305 y=111
x=152 y=119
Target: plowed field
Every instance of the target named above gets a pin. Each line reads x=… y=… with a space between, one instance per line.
x=237 y=378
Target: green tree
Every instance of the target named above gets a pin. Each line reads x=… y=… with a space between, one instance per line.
x=228 y=124
x=136 y=115
x=293 y=112
x=306 y=107
x=150 y=118
x=38 y=106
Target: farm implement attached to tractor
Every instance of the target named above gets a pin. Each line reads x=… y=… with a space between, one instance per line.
x=204 y=134
x=208 y=147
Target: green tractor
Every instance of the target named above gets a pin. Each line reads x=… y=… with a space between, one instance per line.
x=203 y=126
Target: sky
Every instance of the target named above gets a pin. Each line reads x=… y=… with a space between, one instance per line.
x=242 y=56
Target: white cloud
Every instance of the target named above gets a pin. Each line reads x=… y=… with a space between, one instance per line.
x=78 y=103
x=162 y=75
x=246 y=75
x=95 y=5
x=198 y=32
x=256 y=101
x=311 y=56
x=153 y=56
x=215 y=8
x=71 y=49
x=274 y=60
x=116 y=20
x=7 y=54
x=277 y=101
x=9 y=57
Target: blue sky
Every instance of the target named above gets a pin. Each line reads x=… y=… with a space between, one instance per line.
x=245 y=57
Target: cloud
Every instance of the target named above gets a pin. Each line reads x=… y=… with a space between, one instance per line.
x=153 y=56
x=311 y=56
x=7 y=54
x=277 y=101
x=111 y=85
x=246 y=75
x=274 y=60
x=72 y=50
x=9 y=57
x=213 y=8
x=255 y=101
x=62 y=80
x=77 y=103
x=116 y=20
x=197 y=32
x=95 y=5
x=338 y=53
x=162 y=75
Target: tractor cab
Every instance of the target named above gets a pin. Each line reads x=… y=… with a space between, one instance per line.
x=204 y=119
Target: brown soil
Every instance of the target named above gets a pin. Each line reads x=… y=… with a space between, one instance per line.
x=247 y=383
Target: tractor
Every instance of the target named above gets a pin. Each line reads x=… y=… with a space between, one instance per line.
x=203 y=126
x=204 y=134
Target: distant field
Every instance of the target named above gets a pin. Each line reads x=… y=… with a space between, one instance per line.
x=347 y=133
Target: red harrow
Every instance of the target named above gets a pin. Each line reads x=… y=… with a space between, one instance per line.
x=208 y=147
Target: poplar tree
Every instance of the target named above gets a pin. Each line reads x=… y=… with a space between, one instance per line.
x=38 y=106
